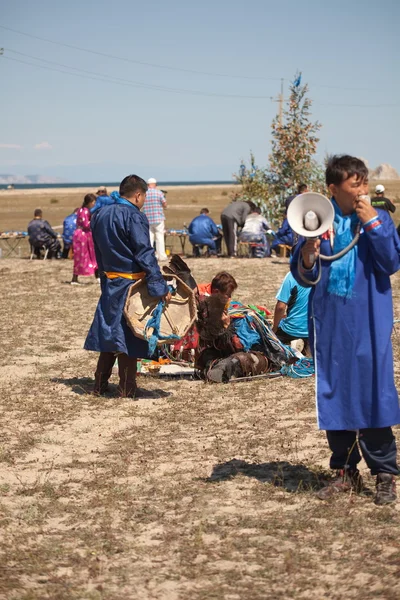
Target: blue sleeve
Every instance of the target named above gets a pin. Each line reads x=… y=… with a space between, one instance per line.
x=384 y=244
x=145 y=255
x=49 y=229
x=285 y=290
x=214 y=229
x=190 y=228
x=302 y=275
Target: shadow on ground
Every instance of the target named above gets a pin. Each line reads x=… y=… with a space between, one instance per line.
x=85 y=385
x=293 y=478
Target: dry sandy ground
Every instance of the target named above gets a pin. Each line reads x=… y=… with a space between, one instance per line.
x=200 y=491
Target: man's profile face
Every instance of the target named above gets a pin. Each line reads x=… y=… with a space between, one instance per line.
x=347 y=193
x=140 y=198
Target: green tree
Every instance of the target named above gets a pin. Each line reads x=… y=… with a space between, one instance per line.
x=291 y=161
x=294 y=143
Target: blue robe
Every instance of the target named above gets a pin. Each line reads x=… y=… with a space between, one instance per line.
x=284 y=235
x=351 y=337
x=122 y=245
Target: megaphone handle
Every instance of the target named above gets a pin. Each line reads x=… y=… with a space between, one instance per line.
x=311 y=257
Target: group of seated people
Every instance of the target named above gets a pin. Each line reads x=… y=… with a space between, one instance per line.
x=232 y=339
x=204 y=232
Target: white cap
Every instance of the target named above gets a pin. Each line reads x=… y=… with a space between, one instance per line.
x=379 y=189
x=152 y=180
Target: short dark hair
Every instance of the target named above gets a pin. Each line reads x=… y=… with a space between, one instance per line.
x=88 y=199
x=251 y=204
x=204 y=211
x=224 y=282
x=342 y=167
x=38 y=212
x=131 y=184
x=301 y=188
x=257 y=210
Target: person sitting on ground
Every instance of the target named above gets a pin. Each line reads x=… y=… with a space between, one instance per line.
x=69 y=227
x=291 y=313
x=379 y=201
x=42 y=236
x=232 y=217
x=103 y=199
x=254 y=231
x=204 y=232
x=301 y=189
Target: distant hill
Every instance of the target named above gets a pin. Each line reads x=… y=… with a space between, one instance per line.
x=384 y=172
x=8 y=178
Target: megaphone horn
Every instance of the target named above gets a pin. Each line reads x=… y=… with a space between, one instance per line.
x=310 y=214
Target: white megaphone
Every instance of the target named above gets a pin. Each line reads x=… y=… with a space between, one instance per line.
x=310 y=215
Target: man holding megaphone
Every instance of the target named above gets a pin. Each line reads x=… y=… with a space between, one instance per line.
x=347 y=252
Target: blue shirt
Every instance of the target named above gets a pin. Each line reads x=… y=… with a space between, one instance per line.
x=296 y=298
x=203 y=226
x=69 y=229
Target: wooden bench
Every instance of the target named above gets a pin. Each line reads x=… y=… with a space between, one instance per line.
x=284 y=250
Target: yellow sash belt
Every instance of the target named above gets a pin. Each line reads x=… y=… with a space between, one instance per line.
x=132 y=276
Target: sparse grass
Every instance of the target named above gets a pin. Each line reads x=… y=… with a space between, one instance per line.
x=205 y=494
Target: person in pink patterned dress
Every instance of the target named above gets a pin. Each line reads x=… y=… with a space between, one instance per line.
x=82 y=244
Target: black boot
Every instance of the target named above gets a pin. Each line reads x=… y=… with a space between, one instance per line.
x=385 y=489
x=346 y=480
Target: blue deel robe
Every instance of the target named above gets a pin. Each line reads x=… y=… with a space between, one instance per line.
x=203 y=230
x=351 y=338
x=122 y=245
x=100 y=202
x=284 y=235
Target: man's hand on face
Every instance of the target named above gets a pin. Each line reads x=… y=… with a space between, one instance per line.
x=364 y=210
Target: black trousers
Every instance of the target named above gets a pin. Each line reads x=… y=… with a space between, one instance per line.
x=127 y=367
x=229 y=228
x=286 y=339
x=65 y=251
x=378 y=448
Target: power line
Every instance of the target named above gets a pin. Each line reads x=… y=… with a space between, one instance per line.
x=119 y=81
x=170 y=68
x=138 y=62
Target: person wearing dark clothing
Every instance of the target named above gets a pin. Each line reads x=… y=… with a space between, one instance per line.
x=69 y=227
x=379 y=201
x=124 y=255
x=204 y=232
x=301 y=189
x=232 y=217
x=284 y=235
x=42 y=236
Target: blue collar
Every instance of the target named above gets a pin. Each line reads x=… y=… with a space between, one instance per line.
x=120 y=199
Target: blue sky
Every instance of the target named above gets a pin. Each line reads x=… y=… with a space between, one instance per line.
x=80 y=128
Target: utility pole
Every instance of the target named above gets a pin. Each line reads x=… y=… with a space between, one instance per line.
x=280 y=100
x=281 y=104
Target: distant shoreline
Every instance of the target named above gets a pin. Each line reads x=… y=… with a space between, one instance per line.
x=74 y=187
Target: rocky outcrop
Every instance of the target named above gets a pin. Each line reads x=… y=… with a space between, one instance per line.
x=384 y=172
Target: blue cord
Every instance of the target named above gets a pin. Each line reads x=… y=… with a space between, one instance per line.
x=154 y=323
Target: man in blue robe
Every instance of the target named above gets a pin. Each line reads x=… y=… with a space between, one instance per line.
x=124 y=255
x=351 y=320
x=204 y=232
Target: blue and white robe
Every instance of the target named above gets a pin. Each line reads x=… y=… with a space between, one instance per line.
x=351 y=338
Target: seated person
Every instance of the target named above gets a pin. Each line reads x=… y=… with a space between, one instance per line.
x=379 y=201
x=254 y=230
x=291 y=313
x=103 y=199
x=69 y=227
x=204 y=232
x=41 y=235
x=284 y=235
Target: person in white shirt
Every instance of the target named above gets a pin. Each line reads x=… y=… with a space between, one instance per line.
x=254 y=230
